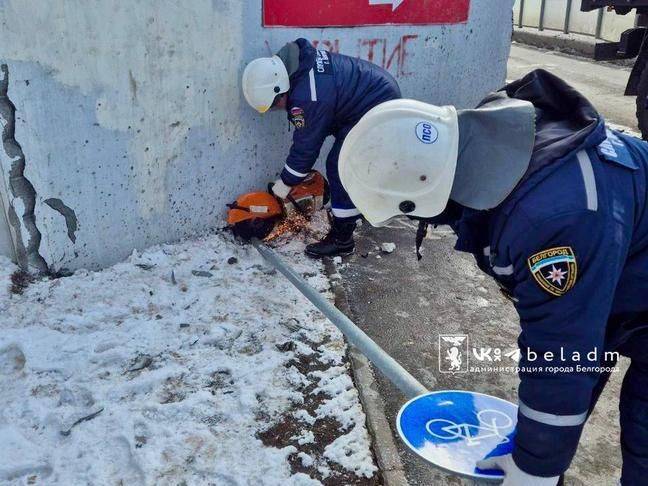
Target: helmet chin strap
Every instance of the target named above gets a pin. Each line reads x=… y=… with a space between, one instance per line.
x=452 y=212
x=421 y=233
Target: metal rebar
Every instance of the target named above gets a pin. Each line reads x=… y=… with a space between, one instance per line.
x=387 y=365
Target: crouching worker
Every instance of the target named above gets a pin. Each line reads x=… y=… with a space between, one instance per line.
x=324 y=94
x=552 y=204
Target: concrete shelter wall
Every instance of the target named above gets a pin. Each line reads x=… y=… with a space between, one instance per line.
x=124 y=124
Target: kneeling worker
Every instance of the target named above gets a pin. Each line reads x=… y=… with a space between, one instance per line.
x=553 y=205
x=324 y=94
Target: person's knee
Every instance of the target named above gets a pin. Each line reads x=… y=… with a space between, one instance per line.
x=633 y=417
x=633 y=408
x=635 y=383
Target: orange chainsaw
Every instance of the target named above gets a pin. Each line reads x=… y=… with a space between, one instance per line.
x=256 y=214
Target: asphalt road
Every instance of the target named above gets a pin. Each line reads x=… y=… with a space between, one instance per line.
x=602 y=83
x=404 y=304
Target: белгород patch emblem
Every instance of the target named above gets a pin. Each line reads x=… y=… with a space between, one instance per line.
x=297 y=117
x=554 y=269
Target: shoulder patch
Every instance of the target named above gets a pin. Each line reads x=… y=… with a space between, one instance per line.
x=614 y=150
x=554 y=269
x=296 y=117
x=323 y=63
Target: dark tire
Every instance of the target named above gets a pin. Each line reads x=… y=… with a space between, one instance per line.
x=642 y=103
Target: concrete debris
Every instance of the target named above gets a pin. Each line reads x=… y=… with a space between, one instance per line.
x=145 y=266
x=201 y=273
x=68 y=430
x=287 y=346
x=140 y=362
x=388 y=247
x=292 y=324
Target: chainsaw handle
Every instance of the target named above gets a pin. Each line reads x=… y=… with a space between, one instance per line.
x=290 y=199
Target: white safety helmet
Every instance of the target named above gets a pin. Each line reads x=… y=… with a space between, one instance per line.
x=263 y=80
x=400 y=159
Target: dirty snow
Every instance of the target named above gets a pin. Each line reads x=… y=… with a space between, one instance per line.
x=164 y=369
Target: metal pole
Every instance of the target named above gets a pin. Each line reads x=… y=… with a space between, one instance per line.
x=398 y=375
x=542 y=13
x=567 y=16
x=520 y=23
x=599 y=24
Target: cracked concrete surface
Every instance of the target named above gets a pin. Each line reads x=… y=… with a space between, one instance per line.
x=20 y=198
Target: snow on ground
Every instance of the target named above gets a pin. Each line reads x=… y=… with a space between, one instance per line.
x=194 y=363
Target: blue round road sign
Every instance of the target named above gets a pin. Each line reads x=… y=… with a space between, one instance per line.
x=455 y=429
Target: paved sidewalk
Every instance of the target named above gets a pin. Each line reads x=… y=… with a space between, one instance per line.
x=601 y=82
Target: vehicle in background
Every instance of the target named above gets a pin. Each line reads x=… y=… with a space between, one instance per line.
x=631 y=44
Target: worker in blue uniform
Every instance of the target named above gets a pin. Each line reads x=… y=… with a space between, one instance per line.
x=553 y=205
x=324 y=94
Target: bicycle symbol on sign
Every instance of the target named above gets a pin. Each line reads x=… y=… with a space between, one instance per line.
x=492 y=422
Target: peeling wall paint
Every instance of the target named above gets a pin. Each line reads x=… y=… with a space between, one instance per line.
x=19 y=194
x=131 y=116
x=68 y=213
x=6 y=240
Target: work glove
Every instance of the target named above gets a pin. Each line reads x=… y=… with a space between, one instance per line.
x=280 y=189
x=513 y=475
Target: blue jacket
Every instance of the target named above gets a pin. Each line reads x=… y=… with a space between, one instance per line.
x=570 y=246
x=329 y=93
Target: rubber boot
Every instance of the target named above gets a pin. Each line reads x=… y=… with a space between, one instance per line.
x=338 y=242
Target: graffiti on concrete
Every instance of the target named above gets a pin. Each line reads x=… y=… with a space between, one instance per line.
x=392 y=56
